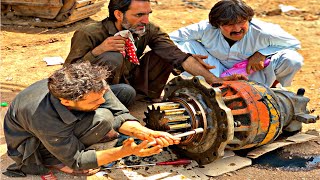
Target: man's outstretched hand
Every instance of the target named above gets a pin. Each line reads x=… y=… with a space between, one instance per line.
x=200 y=59
x=255 y=62
x=141 y=149
x=234 y=77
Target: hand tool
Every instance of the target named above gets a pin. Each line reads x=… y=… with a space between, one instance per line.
x=194 y=131
x=176 y=162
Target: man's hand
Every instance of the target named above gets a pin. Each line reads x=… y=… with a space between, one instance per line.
x=255 y=62
x=134 y=128
x=234 y=77
x=130 y=147
x=200 y=59
x=162 y=138
x=112 y=43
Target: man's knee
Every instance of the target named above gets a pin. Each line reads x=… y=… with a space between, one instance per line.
x=294 y=60
x=114 y=62
x=111 y=59
x=125 y=93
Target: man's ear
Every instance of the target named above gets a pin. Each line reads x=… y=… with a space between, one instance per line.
x=66 y=102
x=118 y=14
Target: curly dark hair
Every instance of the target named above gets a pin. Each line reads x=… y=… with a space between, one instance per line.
x=229 y=12
x=76 y=80
x=121 y=5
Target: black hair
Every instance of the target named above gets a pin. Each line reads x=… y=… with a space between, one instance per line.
x=121 y=5
x=229 y=12
x=76 y=80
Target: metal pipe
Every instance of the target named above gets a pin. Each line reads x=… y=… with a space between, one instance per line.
x=194 y=131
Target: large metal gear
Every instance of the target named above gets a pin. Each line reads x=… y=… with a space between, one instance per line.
x=195 y=107
x=234 y=115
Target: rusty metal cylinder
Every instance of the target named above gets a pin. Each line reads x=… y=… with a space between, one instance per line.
x=255 y=111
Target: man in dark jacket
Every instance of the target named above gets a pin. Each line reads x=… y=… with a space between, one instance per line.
x=100 y=43
x=52 y=123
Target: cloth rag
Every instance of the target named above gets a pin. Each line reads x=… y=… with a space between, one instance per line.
x=130 y=48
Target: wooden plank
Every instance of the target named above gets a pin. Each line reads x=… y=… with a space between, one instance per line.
x=56 y=3
x=81 y=3
x=77 y=14
x=36 y=11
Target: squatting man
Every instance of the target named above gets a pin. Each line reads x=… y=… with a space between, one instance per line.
x=52 y=123
x=232 y=35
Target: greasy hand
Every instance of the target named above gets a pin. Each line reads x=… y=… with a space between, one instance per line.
x=234 y=77
x=255 y=62
x=112 y=43
x=200 y=59
x=129 y=147
x=163 y=139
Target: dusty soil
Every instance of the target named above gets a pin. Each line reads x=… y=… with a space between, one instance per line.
x=23 y=49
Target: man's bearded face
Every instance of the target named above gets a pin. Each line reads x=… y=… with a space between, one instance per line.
x=139 y=28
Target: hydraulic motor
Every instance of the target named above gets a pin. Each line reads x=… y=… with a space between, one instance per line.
x=234 y=115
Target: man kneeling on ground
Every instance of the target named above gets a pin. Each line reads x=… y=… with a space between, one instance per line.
x=52 y=123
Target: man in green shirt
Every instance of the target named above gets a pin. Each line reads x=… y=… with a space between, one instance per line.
x=52 y=123
x=98 y=44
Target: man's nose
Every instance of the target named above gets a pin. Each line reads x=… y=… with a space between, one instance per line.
x=145 y=19
x=237 y=27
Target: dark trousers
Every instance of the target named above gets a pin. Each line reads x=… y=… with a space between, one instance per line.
x=148 y=78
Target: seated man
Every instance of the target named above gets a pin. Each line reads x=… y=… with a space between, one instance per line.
x=103 y=43
x=231 y=36
x=51 y=124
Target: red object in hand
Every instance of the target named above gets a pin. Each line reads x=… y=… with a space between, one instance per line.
x=131 y=52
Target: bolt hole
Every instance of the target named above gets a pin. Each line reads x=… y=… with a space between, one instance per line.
x=214 y=154
x=195 y=80
x=212 y=93
x=223 y=137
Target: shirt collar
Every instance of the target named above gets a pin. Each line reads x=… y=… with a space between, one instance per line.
x=66 y=115
x=110 y=26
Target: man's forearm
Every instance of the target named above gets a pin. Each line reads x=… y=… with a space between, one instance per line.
x=194 y=67
x=110 y=155
x=131 y=128
x=97 y=51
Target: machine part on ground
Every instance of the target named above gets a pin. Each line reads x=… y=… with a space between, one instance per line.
x=48 y=13
x=234 y=115
x=165 y=163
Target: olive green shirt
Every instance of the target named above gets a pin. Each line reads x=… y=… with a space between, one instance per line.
x=87 y=38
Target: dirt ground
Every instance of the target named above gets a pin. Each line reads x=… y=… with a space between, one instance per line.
x=23 y=49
